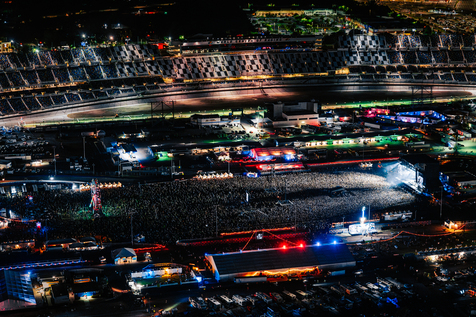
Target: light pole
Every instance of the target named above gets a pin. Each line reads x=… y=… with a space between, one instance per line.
x=216 y=220
x=54 y=157
x=132 y=229
x=441 y=203
x=84 y=148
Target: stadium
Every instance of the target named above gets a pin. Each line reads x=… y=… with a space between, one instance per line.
x=44 y=80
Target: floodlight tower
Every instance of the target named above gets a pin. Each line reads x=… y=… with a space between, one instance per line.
x=362 y=221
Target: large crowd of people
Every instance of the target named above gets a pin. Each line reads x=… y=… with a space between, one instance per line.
x=168 y=211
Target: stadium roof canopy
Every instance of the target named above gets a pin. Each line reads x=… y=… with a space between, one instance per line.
x=229 y=265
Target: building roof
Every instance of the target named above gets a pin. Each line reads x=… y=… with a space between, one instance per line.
x=87 y=239
x=129 y=148
x=273 y=259
x=124 y=252
x=60 y=241
x=419 y=159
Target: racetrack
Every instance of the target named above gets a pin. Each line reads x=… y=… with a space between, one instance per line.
x=223 y=99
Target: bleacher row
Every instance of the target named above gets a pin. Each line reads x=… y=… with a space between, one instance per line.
x=406 y=41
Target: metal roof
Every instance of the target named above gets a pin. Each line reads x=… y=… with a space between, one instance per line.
x=274 y=259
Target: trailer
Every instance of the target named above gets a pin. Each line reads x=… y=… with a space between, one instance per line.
x=251 y=279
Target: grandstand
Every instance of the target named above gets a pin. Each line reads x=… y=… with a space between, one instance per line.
x=113 y=72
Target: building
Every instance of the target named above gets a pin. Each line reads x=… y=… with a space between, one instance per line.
x=330 y=257
x=124 y=256
x=16 y=290
x=208 y=120
x=270 y=153
x=420 y=172
x=61 y=294
x=5 y=164
x=60 y=244
x=295 y=115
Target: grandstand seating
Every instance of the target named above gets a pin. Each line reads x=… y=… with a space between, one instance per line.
x=45 y=101
x=459 y=77
x=409 y=57
x=103 y=54
x=56 y=58
x=4 y=82
x=468 y=40
x=100 y=94
x=471 y=77
x=58 y=99
x=5 y=62
x=61 y=75
x=78 y=73
x=470 y=56
x=17 y=104
x=446 y=77
x=86 y=95
x=22 y=59
x=424 y=57
x=78 y=56
x=31 y=103
x=109 y=71
x=45 y=58
x=34 y=59
x=89 y=54
x=72 y=97
x=394 y=57
x=5 y=107
x=129 y=69
x=30 y=76
x=440 y=57
x=419 y=76
x=16 y=79
x=455 y=56
x=45 y=75
x=66 y=56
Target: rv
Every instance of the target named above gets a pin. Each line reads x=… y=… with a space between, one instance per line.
x=239 y=300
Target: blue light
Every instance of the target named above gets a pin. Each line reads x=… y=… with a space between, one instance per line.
x=199 y=279
x=318 y=244
x=335 y=242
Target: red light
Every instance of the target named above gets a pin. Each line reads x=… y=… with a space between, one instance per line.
x=285 y=247
x=301 y=245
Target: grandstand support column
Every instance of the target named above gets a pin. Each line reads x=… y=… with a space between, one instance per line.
x=421 y=94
